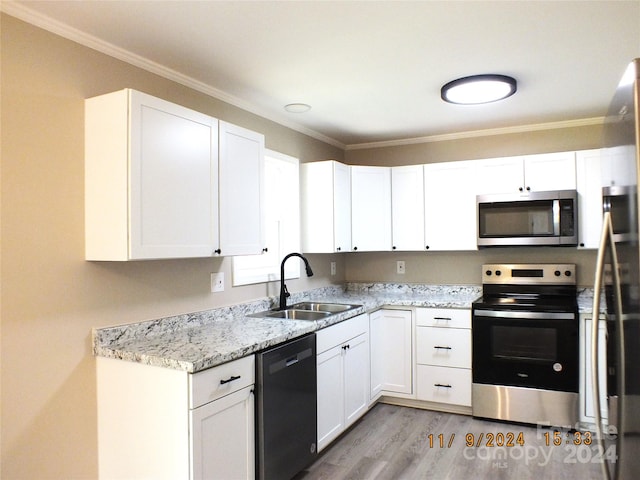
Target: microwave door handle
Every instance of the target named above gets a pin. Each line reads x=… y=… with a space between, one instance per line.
x=606 y=239
x=556 y=217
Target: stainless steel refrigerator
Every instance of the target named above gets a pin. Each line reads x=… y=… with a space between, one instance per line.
x=618 y=276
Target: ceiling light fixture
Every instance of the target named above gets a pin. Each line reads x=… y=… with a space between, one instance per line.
x=478 y=89
x=297 y=108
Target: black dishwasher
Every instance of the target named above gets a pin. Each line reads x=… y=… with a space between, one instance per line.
x=286 y=426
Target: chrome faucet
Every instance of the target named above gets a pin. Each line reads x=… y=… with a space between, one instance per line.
x=284 y=293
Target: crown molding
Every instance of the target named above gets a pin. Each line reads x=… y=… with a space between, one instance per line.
x=480 y=133
x=28 y=15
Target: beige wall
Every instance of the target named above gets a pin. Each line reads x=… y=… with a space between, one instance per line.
x=471 y=148
x=51 y=297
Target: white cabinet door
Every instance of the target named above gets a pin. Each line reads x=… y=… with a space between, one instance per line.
x=391 y=352
x=370 y=208
x=326 y=207
x=242 y=228
x=343 y=376
x=550 y=171
x=407 y=204
x=499 y=175
x=222 y=438
x=589 y=186
x=330 y=396
x=151 y=179
x=618 y=166
x=450 y=206
x=356 y=378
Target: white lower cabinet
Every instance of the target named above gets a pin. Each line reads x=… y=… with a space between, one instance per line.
x=443 y=355
x=343 y=376
x=160 y=423
x=391 y=352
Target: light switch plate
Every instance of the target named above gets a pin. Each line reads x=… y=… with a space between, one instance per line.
x=333 y=268
x=400 y=267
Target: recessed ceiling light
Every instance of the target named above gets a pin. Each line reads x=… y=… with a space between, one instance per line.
x=297 y=108
x=478 y=89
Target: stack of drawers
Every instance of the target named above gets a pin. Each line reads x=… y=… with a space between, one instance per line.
x=443 y=354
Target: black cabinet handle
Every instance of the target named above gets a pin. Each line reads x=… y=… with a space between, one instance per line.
x=520 y=189
x=441 y=385
x=448 y=319
x=230 y=379
x=355 y=248
x=338 y=249
x=393 y=248
x=442 y=348
x=346 y=347
x=426 y=247
x=217 y=251
x=265 y=250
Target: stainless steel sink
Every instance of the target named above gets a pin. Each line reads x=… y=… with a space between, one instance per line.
x=323 y=307
x=306 y=311
x=295 y=314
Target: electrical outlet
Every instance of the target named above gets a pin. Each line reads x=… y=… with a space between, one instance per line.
x=400 y=267
x=217 y=282
x=333 y=268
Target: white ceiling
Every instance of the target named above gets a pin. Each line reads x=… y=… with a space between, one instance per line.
x=372 y=71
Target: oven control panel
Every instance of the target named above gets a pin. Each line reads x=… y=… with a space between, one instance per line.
x=529 y=274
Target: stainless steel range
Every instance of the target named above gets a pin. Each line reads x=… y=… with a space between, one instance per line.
x=525 y=344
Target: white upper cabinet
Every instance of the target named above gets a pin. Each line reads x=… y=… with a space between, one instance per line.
x=618 y=167
x=370 y=208
x=550 y=171
x=499 y=175
x=326 y=207
x=450 y=206
x=589 y=186
x=153 y=179
x=407 y=202
x=535 y=173
x=151 y=176
x=242 y=227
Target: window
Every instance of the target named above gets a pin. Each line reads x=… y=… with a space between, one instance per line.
x=282 y=229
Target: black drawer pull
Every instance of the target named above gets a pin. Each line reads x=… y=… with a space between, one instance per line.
x=446 y=319
x=230 y=379
x=441 y=385
x=442 y=348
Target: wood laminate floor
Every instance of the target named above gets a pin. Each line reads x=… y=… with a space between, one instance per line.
x=392 y=442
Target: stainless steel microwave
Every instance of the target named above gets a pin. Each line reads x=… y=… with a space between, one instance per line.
x=533 y=218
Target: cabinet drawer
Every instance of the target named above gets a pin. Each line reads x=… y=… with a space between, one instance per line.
x=222 y=380
x=447 y=347
x=443 y=317
x=341 y=332
x=444 y=385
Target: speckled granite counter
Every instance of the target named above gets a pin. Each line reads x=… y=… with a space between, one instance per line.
x=197 y=341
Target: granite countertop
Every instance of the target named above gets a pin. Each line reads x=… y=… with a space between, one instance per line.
x=197 y=341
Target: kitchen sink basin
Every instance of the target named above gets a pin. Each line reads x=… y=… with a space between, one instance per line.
x=295 y=314
x=306 y=311
x=323 y=307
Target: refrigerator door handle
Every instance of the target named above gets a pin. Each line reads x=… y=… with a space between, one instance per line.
x=605 y=240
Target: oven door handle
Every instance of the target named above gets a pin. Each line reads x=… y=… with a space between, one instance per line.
x=524 y=315
x=606 y=240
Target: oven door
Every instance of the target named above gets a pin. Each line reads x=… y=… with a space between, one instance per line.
x=526 y=349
